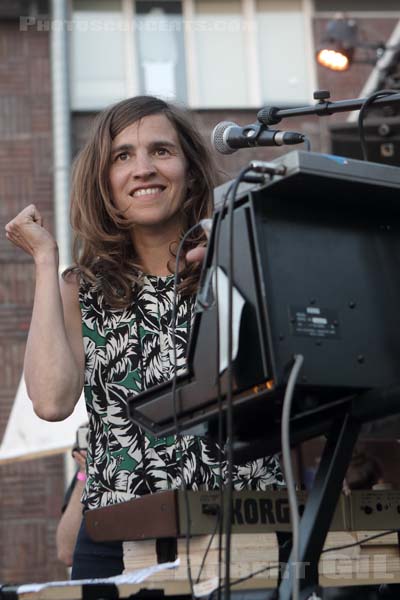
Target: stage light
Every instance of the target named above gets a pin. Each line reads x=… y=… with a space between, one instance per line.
x=337 y=47
x=336 y=51
x=333 y=59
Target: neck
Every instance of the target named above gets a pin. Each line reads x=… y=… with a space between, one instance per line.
x=153 y=249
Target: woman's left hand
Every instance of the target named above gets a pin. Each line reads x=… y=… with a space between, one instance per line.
x=196 y=254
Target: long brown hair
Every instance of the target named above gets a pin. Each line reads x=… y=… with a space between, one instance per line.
x=103 y=251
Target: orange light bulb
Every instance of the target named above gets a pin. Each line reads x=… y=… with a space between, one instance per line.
x=331 y=59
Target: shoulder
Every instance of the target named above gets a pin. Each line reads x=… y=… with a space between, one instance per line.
x=76 y=287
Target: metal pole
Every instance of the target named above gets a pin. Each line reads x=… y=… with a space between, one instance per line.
x=61 y=113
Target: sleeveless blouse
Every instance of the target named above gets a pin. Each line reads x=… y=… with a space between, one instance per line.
x=127 y=351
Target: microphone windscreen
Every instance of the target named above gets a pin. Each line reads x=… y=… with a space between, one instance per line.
x=218 y=139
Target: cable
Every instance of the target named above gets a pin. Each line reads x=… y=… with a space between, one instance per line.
x=307 y=143
x=217 y=522
x=219 y=394
x=233 y=188
x=251 y=575
x=230 y=198
x=367 y=539
x=229 y=394
x=173 y=392
x=176 y=424
x=288 y=468
x=258 y=572
x=174 y=382
x=370 y=100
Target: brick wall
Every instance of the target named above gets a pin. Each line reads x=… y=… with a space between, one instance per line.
x=30 y=491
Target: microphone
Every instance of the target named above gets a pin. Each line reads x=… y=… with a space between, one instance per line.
x=227 y=137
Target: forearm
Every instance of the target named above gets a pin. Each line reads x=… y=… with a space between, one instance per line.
x=68 y=527
x=52 y=375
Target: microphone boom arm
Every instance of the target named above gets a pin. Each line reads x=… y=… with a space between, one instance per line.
x=271 y=115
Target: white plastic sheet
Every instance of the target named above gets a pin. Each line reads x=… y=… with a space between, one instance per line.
x=27 y=436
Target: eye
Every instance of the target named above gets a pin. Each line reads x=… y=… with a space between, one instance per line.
x=122 y=156
x=162 y=151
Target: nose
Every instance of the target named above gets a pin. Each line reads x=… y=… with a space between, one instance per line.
x=143 y=166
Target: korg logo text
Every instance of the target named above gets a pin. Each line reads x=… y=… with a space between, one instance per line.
x=262 y=510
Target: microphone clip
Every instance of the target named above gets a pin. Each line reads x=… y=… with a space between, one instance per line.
x=254 y=130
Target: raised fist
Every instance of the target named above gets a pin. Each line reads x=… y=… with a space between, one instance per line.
x=27 y=232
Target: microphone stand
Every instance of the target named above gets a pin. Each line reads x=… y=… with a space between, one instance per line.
x=271 y=115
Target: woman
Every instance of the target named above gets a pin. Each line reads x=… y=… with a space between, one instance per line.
x=142 y=180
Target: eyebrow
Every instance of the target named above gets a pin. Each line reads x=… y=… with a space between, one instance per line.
x=152 y=146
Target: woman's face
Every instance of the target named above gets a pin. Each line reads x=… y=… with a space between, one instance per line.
x=148 y=174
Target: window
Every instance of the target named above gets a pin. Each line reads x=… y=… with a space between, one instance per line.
x=206 y=53
x=281 y=50
x=218 y=28
x=161 y=49
x=98 y=70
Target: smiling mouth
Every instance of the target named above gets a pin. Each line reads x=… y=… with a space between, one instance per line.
x=143 y=192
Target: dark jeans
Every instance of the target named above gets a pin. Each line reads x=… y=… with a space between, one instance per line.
x=93 y=560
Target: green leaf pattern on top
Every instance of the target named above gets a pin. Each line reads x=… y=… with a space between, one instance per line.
x=127 y=351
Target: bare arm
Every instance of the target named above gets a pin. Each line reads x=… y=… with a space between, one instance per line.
x=70 y=522
x=68 y=527
x=54 y=357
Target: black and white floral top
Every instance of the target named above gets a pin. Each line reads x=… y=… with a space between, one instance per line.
x=127 y=351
